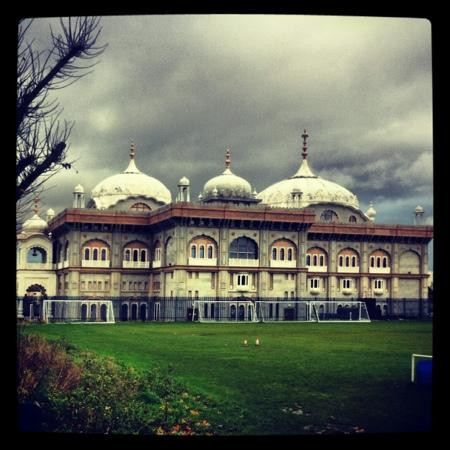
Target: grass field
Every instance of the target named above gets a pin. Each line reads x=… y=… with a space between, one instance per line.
x=302 y=379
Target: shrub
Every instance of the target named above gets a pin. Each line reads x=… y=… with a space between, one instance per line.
x=84 y=393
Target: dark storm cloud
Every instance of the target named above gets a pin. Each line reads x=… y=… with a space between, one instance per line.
x=184 y=88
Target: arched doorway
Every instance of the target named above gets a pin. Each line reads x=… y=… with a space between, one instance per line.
x=84 y=312
x=241 y=315
x=124 y=312
x=103 y=313
x=143 y=312
x=33 y=301
x=134 y=311
x=233 y=312
x=93 y=313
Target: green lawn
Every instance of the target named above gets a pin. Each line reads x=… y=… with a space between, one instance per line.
x=301 y=379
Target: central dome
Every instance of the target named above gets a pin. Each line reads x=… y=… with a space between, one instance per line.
x=131 y=183
x=305 y=188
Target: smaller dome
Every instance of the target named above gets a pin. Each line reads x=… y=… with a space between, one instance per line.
x=78 y=189
x=228 y=186
x=371 y=213
x=419 y=209
x=184 y=182
x=35 y=223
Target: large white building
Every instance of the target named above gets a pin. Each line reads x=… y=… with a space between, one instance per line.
x=300 y=238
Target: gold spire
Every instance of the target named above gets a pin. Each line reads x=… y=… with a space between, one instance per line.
x=36 y=204
x=132 y=150
x=228 y=158
x=305 y=145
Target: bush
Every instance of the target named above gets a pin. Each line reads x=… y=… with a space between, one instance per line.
x=83 y=393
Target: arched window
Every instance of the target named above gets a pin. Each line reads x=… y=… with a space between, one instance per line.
x=36 y=255
x=210 y=251
x=202 y=251
x=328 y=216
x=321 y=260
x=143 y=256
x=308 y=260
x=282 y=254
x=140 y=207
x=103 y=254
x=243 y=248
x=289 y=254
x=353 y=261
x=341 y=261
x=352 y=219
x=274 y=254
x=314 y=260
x=384 y=261
x=372 y=261
x=135 y=255
x=378 y=261
x=347 y=261
x=95 y=254
x=193 y=251
x=87 y=252
x=127 y=254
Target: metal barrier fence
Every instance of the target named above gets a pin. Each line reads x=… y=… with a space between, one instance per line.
x=182 y=308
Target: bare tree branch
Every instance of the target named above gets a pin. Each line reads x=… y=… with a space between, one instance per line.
x=42 y=140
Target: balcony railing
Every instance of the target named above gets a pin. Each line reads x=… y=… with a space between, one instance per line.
x=136 y=264
x=243 y=262
x=285 y=263
x=379 y=270
x=202 y=261
x=317 y=268
x=92 y=263
x=348 y=269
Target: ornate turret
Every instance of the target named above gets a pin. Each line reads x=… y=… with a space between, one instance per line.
x=371 y=213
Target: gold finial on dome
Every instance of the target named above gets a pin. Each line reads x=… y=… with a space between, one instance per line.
x=36 y=204
x=132 y=150
x=228 y=158
x=305 y=135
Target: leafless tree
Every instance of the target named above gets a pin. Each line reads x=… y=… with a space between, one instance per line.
x=42 y=137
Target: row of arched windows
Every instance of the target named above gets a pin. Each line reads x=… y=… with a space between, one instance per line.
x=198 y=251
x=95 y=254
x=135 y=255
x=378 y=261
x=315 y=260
x=282 y=254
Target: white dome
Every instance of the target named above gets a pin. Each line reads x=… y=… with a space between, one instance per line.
x=419 y=209
x=371 y=213
x=35 y=223
x=227 y=185
x=311 y=190
x=183 y=182
x=305 y=188
x=129 y=184
x=78 y=189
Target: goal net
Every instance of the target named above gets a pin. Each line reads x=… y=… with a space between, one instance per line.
x=80 y=311
x=224 y=311
x=312 y=311
x=343 y=311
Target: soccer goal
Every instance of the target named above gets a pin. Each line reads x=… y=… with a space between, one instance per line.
x=284 y=311
x=78 y=311
x=224 y=311
x=343 y=311
x=312 y=311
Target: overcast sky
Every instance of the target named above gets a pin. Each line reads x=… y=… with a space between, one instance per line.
x=186 y=87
